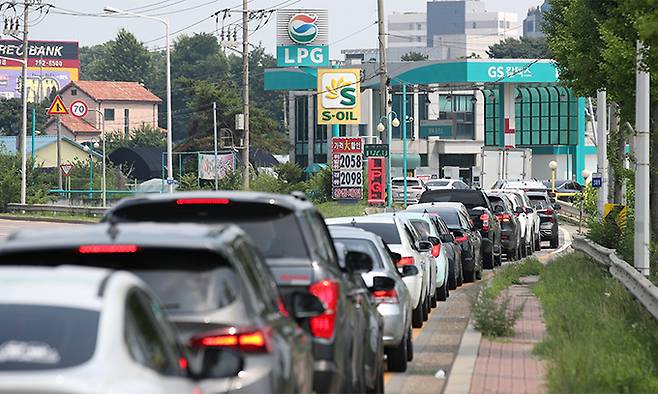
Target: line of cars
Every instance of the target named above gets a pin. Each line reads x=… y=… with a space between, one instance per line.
x=239 y=291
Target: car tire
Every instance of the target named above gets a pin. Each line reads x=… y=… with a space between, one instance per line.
x=488 y=260
x=426 y=309
x=417 y=316
x=538 y=243
x=397 y=356
x=498 y=260
x=460 y=278
x=555 y=242
x=478 y=274
x=511 y=254
x=469 y=276
x=442 y=293
x=410 y=346
x=434 y=299
x=452 y=277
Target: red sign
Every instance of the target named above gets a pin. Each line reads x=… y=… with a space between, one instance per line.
x=376 y=180
x=79 y=109
x=67 y=168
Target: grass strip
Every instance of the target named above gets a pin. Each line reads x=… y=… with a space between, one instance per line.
x=510 y=274
x=600 y=339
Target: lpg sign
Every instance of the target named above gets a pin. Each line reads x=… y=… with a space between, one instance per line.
x=302 y=37
x=339 y=93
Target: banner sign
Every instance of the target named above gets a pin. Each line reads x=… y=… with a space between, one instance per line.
x=302 y=37
x=51 y=66
x=376 y=180
x=206 y=167
x=339 y=95
x=347 y=168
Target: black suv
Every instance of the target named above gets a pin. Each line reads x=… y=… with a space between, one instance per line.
x=481 y=213
x=295 y=241
x=548 y=225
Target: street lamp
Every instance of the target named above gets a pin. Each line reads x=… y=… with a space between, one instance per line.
x=90 y=150
x=393 y=121
x=585 y=174
x=165 y=22
x=104 y=178
x=553 y=166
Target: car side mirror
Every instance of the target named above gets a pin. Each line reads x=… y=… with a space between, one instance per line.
x=396 y=257
x=305 y=305
x=358 y=262
x=557 y=207
x=530 y=210
x=218 y=363
x=434 y=240
x=409 y=270
x=382 y=283
x=424 y=246
x=519 y=210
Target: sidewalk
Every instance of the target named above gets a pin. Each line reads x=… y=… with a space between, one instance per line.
x=508 y=365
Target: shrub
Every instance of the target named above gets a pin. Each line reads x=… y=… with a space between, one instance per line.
x=266 y=183
x=289 y=173
x=494 y=318
x=318 y=188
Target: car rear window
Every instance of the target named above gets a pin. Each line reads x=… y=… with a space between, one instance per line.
x=263 y=222
x=410 y=182
x=422 y=227
x=38 y=337
x=470 y=199
x=540 y=200
x=438 y=183
x=365 y=246
x=388 y=231
x=497 y=202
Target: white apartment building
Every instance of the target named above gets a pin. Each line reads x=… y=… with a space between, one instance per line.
x=407 y=29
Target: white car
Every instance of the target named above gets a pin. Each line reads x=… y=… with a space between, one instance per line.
x=399 y=236
x=415 y=187
x=427 y=230
x=438 y=184
x=528 y=217
x=86 y=330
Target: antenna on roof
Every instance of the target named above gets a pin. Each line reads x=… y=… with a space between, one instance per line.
x=112 y=229
x=353 y=222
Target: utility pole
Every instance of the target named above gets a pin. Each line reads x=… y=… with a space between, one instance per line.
x=245 y=93
x=24 y=94
x=214 y=120
x=642 y=212
x=602 y=149
x=383 y=73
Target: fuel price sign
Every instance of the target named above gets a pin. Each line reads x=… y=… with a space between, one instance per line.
x=347 y=168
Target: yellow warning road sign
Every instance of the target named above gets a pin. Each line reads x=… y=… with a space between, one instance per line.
x=58 y=107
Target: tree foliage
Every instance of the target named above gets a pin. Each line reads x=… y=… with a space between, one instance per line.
x=143 y=136
x=414 y=57
x=523 y=48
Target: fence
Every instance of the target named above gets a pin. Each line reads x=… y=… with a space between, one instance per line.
x=67 y=209
x=641 y=287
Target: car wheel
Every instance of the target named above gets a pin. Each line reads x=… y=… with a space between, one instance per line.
x=426 y=309
x=410 y=346
x=478 y=274
x=555 y=242
x=469 y=276
x=522 y=248
x=442 y=292
x=488 y=260
x=434 y=299
x=498 y=260
x=417 y=316
x=452 y=276
x=460 y=278
x=397 y=356
x=511 y=254
x=538 y=243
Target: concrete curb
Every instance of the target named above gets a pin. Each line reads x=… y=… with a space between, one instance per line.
x=461 y=374
x=43 y=219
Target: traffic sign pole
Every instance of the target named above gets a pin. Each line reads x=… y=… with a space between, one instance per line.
x=58 y=108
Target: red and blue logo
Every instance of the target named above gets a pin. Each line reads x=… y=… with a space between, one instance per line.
x=302 y=28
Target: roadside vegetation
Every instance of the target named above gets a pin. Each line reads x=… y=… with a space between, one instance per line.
x=599 y=338
x=492 y=314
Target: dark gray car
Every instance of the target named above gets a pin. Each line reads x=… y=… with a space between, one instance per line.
x=217 y=290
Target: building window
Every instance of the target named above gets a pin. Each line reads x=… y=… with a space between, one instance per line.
x=423 y=160
x=420 y=26
x=501 y=24
x=108 y=114
x=126 y=122
x=474 y=25
x=507 y=24
x=74 y=92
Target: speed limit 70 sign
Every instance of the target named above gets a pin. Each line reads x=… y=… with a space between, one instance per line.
x=79 y=109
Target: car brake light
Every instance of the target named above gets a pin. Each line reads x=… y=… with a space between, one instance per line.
x=252 y=341
x=322 y=326
x=504 y=217
x=202 y=201
x=386 y=296
x=107 y=249
x=182 y=363
x=549 y=212
x=436 y=250
x=462 y=239
x=406 y=261
x=485 y=221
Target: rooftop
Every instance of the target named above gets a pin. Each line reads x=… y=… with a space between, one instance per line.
x=115 y=91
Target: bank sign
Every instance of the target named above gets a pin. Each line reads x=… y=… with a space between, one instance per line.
x=302 y=37
x=339 y=95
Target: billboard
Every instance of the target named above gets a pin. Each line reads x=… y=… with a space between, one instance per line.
x=347 y=168
x=302 y=38
x=206 y=166
x=339 y=95
x=51 y=66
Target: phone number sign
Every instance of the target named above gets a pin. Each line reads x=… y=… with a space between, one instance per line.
x=347 y=168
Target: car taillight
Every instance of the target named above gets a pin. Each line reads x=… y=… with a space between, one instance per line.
x=202 y=201
x=462 y=239
x=549 y=212
x=406 y=261
x=436 y=250
x=322 y=326
x=504 y=217
x=485 y=221
x=182 y=363
x=386 y=296
x=246 y=340
x=107 y=249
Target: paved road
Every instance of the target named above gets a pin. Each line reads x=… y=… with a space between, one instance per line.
x=9 y=226
x=436 y=344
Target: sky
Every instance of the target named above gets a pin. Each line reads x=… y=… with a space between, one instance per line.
x=351 y=21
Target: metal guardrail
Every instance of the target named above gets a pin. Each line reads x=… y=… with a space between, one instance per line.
x=45 y=208
x=641 y=287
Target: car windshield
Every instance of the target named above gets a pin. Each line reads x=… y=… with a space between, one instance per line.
x=438 y=183
x=388 y=231
x=540 y=200
x=449 y=216
x=498 y=204
x=44 y=337
x=470 y=198
x=365 y=246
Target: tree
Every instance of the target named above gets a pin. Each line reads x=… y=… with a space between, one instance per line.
x=523 y=48
x=11 y=120
x=143 y=136
x=414 y=57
